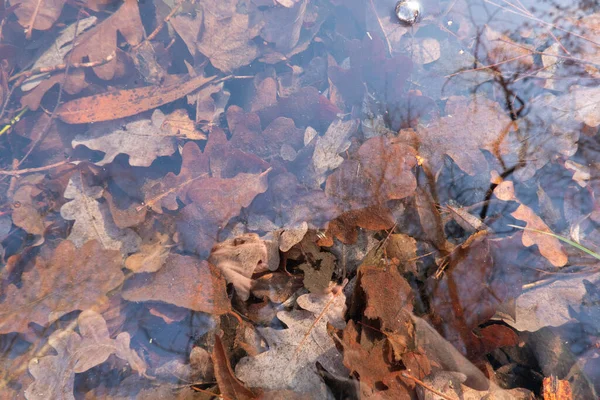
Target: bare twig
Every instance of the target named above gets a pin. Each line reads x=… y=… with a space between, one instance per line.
x=426 y=386
x=60 y=67
x=32 y=170
x=160 y=26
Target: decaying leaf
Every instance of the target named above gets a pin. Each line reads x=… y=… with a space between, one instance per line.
x=381 y=171
x=227 y=35
x=229 y=385
x=55 y=375
x=55 y=54
x=152 y=255
x=101 y=107
x=183 y=281
x=453 y=134
x=335 y=141
x=73 y=279
x=125 y=137
x=179 y=124
x=238 y=258
x=285 y=365
x=37 y=14
x=93 y=220
x=550 y=247
x=100 y=42
x=26 y=213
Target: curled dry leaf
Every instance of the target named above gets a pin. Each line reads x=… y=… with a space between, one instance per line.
x=287 y=366
x=100 y=42
x=93 y=220
x=124 y=137
x=73 y=279
x=183 y=281
x=55 y=375
x=238 y=258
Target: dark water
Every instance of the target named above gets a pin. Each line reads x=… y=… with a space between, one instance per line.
x=413 y=150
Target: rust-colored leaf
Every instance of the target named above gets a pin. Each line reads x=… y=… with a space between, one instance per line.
x=557 y=389
x=127 y=102
x=73 y=279
x=230 y=386
x=100 y=42
x=549 y=246
x=183 y=281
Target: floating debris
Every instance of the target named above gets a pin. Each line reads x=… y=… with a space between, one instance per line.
x=408 y=11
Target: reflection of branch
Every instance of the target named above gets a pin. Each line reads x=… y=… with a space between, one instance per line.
x=541 y=21
x=387 y=41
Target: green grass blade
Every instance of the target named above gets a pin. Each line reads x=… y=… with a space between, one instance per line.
x=562 y=239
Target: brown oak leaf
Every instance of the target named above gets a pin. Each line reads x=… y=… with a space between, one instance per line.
x=380 y=171
x=100 y=42
x=73 y=279
x=55 y=374
x=183 y=281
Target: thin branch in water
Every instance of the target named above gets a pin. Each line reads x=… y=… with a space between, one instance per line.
x=60 y=67
x=32 y=170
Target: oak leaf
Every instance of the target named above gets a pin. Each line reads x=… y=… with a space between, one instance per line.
x=55 y=374
x=183 y=281
x=93 y=220
x=286 y=365
x=125 y=137
x=100 y=42
x=26 y=213
x=37 y=14
x=212 y=203
x=380 y=171
x=73 y=279
x=239 y=257
x=468 y=128
x=227 y=35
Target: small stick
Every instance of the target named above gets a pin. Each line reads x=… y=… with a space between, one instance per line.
x=426 y=386
x=335 y=295
x=32 y=170
x=60 y=67
x=160 y=26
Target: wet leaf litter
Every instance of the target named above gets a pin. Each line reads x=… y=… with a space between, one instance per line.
x=249 y=199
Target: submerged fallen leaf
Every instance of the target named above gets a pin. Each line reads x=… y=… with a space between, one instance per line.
x=33 y=15
x=284 y=365
x=227 y=35
x=100 y=42
x=229 y=385
x=549 y=246
x=55 y=374
x=101 y=107
x=73 y=279
x=124 y=137
x=93 y=220
x=238 y=258
x=213 y=202
x=380 y=171
x=183 y=281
